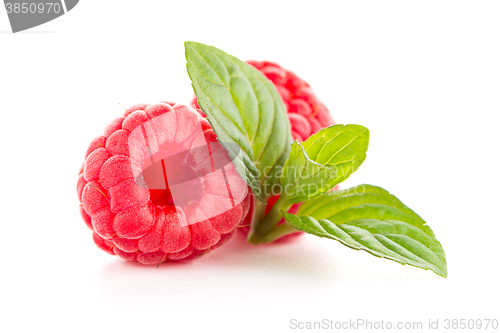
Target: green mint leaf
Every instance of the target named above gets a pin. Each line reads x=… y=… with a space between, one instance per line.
x=324 y=160
x=339 y=145
x=369 y=218
x=245 y=109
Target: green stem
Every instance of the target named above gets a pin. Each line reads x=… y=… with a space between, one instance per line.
x=278 y=232
x=264 y=228
x=257 y=213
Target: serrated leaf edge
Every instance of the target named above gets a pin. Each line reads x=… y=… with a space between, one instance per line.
x=324 y=234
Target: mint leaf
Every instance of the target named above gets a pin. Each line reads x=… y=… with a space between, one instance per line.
x=369 y=218
x=339 y=146
x=245 y=108
x=323 y=161
x=303 y=178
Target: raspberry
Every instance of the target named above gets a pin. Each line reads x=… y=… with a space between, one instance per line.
x=157 y=186
x=306 y=113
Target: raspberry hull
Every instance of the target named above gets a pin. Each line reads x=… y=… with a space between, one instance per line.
x=157 y=186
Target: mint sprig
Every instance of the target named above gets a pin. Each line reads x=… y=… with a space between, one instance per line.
x=247 y=112
x=245 y=108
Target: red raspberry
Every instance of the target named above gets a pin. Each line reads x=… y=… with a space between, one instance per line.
x=158 y=186
x=306 y=113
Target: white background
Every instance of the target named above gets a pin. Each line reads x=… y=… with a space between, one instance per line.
x=423 y=76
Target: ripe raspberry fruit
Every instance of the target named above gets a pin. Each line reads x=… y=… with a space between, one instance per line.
x=305 y=111
x=157 y=186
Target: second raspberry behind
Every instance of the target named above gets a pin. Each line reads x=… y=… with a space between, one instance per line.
x=306 y=113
